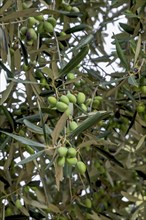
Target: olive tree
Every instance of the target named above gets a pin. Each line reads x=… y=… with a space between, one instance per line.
x=72 y=134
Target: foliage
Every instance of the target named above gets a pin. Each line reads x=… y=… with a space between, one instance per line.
x=72 y=142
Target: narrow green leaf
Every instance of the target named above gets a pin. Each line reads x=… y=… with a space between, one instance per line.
x=5 y=143
x=140 y=143
x=3 y=42
x=121 y=55
x=132 y=81
x=30 y=158
x=77 y=28
x=33 y=127
x=86 y=40
x=131 y=123
x=24 y=52
x=9 y=116
x=138 y=49
x=127 y=28
x=89 y=122
x=25 y=140
x=75 y=60
x=42 y=122
x=108 y=156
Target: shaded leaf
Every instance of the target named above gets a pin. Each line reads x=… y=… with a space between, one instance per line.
x=24 y=52
x=77 y=28
x=127 y=28
x=75 y=61
x=132 y=80
x=108 y=156
x=121 y=55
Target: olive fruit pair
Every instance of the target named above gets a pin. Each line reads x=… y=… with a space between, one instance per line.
x=60 y=105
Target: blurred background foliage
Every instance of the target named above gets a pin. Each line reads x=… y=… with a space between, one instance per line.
x=72 y=135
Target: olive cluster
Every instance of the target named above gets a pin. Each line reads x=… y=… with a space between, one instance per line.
x=37 y=25
x=68 y=155
x=79 y=98
x=63 y=103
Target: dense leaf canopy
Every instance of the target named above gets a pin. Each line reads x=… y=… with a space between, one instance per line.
x=72 y=133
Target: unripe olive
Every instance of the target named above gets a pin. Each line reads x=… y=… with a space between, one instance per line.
x=38 y=74
x=39 y=17
x=31 y=21
x=98 y=98
x=75 y=9
x=62 y=151
x=61 y=161
x=71 y=161
x=70 y=76
x=88 y=203
x=95 y=103
x=8 y=211
x=66 y=6
x=143 y=89
x=48 y=27
x=71 y=152
x=81 y=167
x=72 y=98
x=88 y=101
x=141 y=108
x=81 y=98
x=43 y=81
x=84 y=107
x=61 y=106
x=78 y=84
x=29 y=42
x=23 y=30
x=52 y=101
x=68 y=111
x=18 y=204
x=73 y=125
x=31 y=34
x=62 y=34
x=40 y=28
x=64 y=99
x=52 y=21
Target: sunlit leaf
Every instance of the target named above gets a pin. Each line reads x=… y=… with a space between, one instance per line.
x=30 y=158
x=58 y=128
x=25 y=140
x=89 y=122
